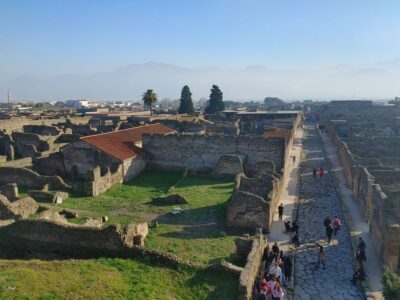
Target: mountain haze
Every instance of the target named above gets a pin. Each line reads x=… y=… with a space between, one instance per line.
x=379 y=80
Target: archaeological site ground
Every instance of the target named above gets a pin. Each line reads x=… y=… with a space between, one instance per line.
x=123 y=204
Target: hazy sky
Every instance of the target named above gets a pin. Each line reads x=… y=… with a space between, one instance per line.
x=54 y=37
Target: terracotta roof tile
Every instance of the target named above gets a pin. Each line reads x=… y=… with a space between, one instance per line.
x=122 y=144
x=271 y=132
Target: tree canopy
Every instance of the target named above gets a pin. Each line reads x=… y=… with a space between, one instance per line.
x=273 y=101
x=149 y=98
x=396 y=101
x=186 y=103
x=215 y=104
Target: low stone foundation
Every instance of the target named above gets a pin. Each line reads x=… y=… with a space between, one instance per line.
x=18 y=209
x=30 y=179
x=69 y=240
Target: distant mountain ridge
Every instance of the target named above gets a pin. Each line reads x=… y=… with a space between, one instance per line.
x=379 y=80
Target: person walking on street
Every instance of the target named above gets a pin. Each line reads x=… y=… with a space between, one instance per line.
x=360 y=256
x=294 y=159
x=321 y=258
x=287 y=268
x=327 y=221
x=277 y=292
x=321 y=172
x=314 y=172
x=329 y=232
x=280 y=211
x=275 y=250
x=266 y=257
x=361 y=244
x=336 y=225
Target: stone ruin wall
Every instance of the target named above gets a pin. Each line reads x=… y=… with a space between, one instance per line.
x=47 y=237
x=345 y=156
x=51 y=165
x=30 y=179
x=200 y=153
x=81 y=158
x=17 y=124
x=376 y=206
x=97 y=184
x=253 y=202
x=384 y=229
x=252 y=205
x=251 y=268
x=18 y=208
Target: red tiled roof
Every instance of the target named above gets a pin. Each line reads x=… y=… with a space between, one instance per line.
x=121 y=144
x=271 y=132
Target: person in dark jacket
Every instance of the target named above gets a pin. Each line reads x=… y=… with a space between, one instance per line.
x=287 y=267
x=280 y=211
x=327 y=221
x=314 y=172
x=329 y=232
x=360 y=256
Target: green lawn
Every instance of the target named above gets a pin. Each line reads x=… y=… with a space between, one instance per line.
x=110 y=279
x=197 y=235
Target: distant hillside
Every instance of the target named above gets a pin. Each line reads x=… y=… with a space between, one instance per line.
x=378 y=80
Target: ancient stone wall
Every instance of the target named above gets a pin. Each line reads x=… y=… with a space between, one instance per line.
x=248 y=210
x=30 y=179
x=228 y=166
x=363 y=191
x=45 y=236
x=384 y=177
x=97 y=184
x=251 y=269
x=51 y=165
x=200 y=153
x=254 y=201
x=17 y=124
x=81 y=157
x=133 y=167
x=346 y=158
x=41 y=129
x=21 y=208
x=381 y=210
x=18 y=163
x=385 y=229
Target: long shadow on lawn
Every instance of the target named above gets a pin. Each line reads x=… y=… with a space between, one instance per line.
x=209 y=231
x=209 y=214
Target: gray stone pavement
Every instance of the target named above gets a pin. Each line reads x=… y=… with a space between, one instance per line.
x=317 y=199
x=359 y=227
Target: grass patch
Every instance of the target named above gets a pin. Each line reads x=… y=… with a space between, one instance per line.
x=195 y=235
x=110 y=279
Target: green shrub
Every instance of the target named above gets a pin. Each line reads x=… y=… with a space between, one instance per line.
x=391 y=285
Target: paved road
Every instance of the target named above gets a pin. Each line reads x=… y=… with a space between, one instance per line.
x=373 y=267
x=317 y=199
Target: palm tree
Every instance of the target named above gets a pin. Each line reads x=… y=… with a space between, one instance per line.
x=149 y=98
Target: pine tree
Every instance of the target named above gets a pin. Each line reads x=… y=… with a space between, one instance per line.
x=186 y=105
x=215 y=104
x=149 y=98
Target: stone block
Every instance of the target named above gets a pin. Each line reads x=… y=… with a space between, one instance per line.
x=11 y=191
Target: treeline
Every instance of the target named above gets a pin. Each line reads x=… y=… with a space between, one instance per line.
x=215 y=103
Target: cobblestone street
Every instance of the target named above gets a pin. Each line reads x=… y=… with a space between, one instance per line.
x=317 y=199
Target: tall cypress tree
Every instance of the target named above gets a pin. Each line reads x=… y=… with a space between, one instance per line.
x=186 y=105
x=215 y=104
